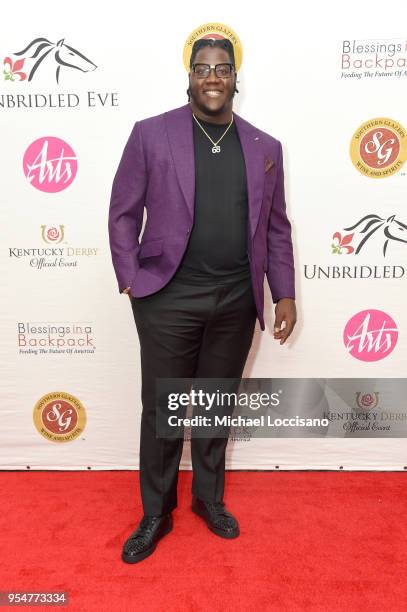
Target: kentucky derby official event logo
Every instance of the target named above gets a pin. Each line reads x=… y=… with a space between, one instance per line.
x=362 y=412
x=378 y=148
x=50 y=164
x=367 y=401
x=370 y=335
x=52 y=234
x=369 y=228
x=213 y=30
x=59 y=417
x=59 y=254
x=41 y=55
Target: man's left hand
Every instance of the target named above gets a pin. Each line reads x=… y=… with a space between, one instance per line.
x=287 y=312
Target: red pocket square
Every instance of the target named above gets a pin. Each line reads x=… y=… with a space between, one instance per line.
x=268 y=164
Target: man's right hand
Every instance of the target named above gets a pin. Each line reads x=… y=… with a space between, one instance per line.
x=127 y=290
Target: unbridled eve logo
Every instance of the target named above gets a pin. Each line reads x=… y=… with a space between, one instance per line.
x=378 y=148
x=50 y=164
x=41 y=55
x=59 y=416
x=370 y=228
x=370 y=335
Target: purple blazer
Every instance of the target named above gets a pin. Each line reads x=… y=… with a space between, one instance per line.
x=157 y=172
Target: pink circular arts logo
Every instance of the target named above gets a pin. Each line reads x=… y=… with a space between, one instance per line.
x=370 y=335
x=50 y=164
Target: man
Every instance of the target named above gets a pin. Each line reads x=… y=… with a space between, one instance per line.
x=213 y=188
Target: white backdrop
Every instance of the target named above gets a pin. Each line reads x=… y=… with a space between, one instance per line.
x=291 y=85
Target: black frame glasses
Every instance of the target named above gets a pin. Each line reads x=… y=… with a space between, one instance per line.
x=218 y=68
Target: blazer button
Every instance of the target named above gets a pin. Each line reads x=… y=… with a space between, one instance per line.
x=188 y=230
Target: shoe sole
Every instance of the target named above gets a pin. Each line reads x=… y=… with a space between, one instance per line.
x=215 y=530
x=135 y=559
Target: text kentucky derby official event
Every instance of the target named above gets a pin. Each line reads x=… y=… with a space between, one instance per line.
x=204 y=329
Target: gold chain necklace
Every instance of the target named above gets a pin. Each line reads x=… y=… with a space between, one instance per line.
x=216 y=147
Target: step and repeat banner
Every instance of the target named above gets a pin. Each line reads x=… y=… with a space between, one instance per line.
x=72 y=87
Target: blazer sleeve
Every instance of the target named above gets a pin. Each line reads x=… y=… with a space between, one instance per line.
x=280 y=268
x=126 y=209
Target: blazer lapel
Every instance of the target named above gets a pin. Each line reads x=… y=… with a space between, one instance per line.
x=180 y=136
x=254 y=161
x=181 y=139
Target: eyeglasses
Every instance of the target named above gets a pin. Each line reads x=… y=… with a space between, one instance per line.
x=222 y=71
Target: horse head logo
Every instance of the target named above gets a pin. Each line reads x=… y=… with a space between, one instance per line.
x=59 y=55
x=389 y=229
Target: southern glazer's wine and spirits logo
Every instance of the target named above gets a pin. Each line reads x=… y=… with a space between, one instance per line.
x=378 y=148
x=41 y=338
x=42 y=54
x=370 y=228
x=57 y=253
x=59 y=417
x=370 y=335
x=374 y=58
x=49 y=64
x=50 y=164
x=215 y=31
x=367 y=401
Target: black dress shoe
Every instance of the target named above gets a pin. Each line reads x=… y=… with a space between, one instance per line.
x=143 y=541
x=218 y=519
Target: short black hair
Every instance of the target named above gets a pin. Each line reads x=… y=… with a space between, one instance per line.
x=221 y=43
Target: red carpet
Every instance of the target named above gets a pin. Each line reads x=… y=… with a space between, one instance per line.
x=310 y=541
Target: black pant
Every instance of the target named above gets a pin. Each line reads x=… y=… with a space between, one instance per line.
x=188 y=331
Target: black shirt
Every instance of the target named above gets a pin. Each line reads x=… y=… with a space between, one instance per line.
x=217 y=247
